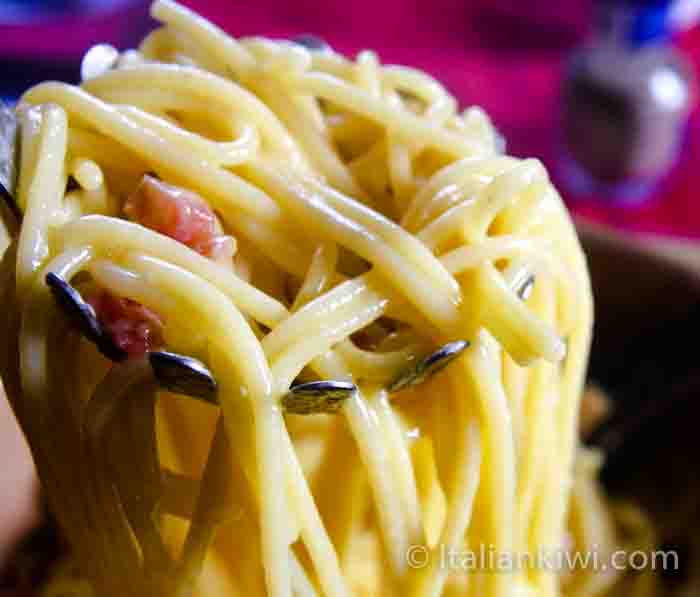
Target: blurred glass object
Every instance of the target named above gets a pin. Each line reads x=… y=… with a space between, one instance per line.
x=627 y=98
x=530 y=25
x=46 y=39
x=24 y=11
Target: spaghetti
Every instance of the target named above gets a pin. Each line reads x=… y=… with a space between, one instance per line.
x=284 y=214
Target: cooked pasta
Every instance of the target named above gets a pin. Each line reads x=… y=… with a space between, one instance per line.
x=285 y=215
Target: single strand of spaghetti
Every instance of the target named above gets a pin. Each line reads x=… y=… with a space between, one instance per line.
x=402 y=466
x=30 y=121
x=129 y=58
x=223 y=47
x=378 y=367
x=516 y=378
x=226 y=190
x=158 y=43
x=227 y=154
x=311 y=108
x=44 y=195
x=109 y=234
x=319 y=276
x=165 y=44
x=71 y=209
x=300 y=580
x=230 y=331
x=348 y=97
x=278 y=58
x=87 y=173
x=440 y=111
x=475 y=123
x=77 y=203
x=367 y=73
x=333 y=63
x=400 y=171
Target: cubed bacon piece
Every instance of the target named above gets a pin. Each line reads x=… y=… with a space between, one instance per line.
x=133 y=327
x=179 y=214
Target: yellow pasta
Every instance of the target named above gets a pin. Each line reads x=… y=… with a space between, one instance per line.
x=362 y=223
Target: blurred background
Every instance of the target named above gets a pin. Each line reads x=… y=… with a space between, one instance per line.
x=602 y=90
x=605 y=92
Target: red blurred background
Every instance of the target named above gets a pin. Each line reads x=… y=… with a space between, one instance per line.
x=504 y=55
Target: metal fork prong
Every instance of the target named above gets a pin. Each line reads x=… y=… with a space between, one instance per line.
x=184 y=375
x=317 y=397
x=428 y=366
